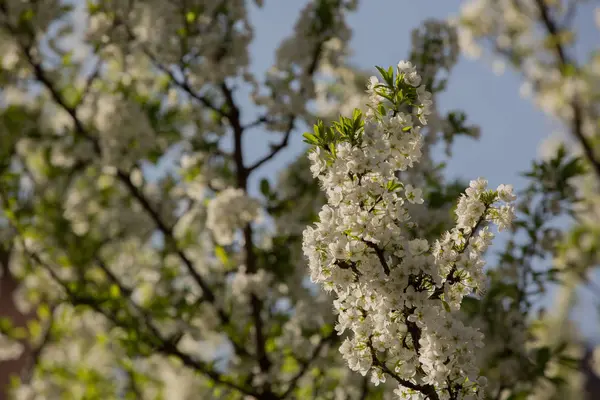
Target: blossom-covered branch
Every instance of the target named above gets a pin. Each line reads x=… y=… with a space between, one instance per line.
x=398 y=294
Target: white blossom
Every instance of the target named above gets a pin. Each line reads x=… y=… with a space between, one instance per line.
x=397 y=294
x=229 y=211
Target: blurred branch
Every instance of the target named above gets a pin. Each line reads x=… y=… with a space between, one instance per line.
x=564 y=61
x=233 y=115
x=307 y=363
x=276 y=148
x=570 y=12
x=37 y=351
x=427 y=390
x=183 y=84
x=90 y=80
x=259 y=121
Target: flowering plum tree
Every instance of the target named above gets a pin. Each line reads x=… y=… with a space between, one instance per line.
x=145 y=254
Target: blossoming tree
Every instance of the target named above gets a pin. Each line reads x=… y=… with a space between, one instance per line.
x=543 y=41
x=139 y=259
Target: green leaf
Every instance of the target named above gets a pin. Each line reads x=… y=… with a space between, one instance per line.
x=190 y=16
x=326 y=329
x=332 y=149
x=92 y=7
x=310 y=139
x=221 y=255
x=356 y=115
x=393 y=186
x=522 y=395
x=265 y=188
x=43 y=311
x=26 y=16
x=67 y=58
x=470 y=305
x=387 y=75
x=446 y=306
x=70 y=95
x=66 y=8
x=319 y=129
x=543 y=356
x=18 y=333
x=102 y=338
x=290 y=365
x=114 y=291
x=35 y=328
x=5 y=324
x=270 y=345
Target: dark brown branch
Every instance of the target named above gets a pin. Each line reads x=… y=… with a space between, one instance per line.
x=90 y=81
x=364 y=389
x=207 y=293
x=348 y=265
x=259 y=121
x=414 y=332
x=427 y=390
x=380 y=254
x=452 y=277
x=184 y=85
x=276 y=148
x=41 y=75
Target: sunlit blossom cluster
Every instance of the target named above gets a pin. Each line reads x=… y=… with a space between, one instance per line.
x=399 y=294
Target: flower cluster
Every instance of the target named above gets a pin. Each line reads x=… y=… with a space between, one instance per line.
x=245 y=284
x=230 y=210
x=9 y=348
x=398 y=294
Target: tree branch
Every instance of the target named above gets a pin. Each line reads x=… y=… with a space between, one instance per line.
x=564 y=61
x=233 y=115
x=276 y=148
x=306 y=364
x=380 y=255
x=184 y=84
x=427 y=390
x=167 y=231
